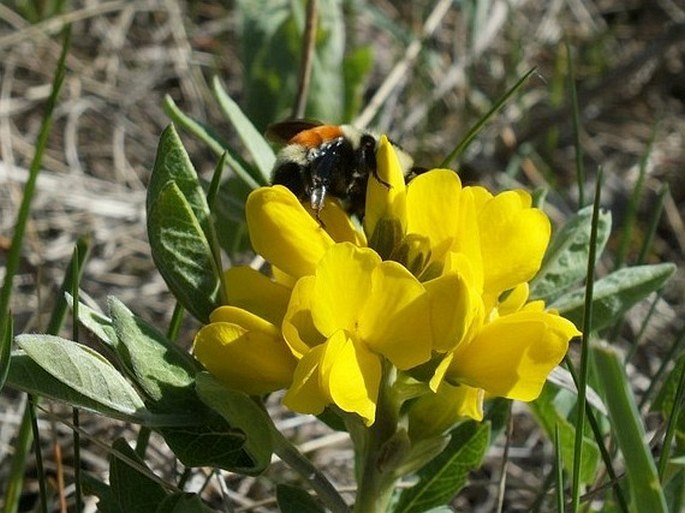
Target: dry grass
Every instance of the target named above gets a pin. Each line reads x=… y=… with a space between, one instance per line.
x=126 y=56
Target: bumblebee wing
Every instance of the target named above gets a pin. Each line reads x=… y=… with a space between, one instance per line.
x=283 y=131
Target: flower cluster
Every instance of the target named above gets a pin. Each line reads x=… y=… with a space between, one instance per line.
x=431 y=292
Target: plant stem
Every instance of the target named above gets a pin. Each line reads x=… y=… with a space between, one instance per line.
x=375 y=476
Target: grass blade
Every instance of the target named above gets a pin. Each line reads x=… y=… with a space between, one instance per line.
x=207 y=136
x=16 y=479
x=14 y=254
x=646 y=492
x=584 y=351
x=580 y=168
x=676 y=411
x=464 y=143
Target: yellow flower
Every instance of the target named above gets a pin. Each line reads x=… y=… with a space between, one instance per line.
x=342 y=323
x=484 y=246
x=243 y=345
x=442 y=283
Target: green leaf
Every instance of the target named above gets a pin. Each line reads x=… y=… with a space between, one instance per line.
x=28 y=376
x=565 y=262
x=422 y=452
x=254 y=142
x=442 y=478
x=213 y=443
x=203 y=132
x=106 y=501
x=229 y=212
x=674 y=490
x=172 y=165
x=614 y=294
x=209 y=137
x=83 y=371
x=292 y=499
x=646 y=492
x=553 y=407
x=197 y=435
x=165 y=372
x=130 y=481
x=182 y=253
x=270 y=45
x=243 y=413
x=96 y=322
x=665 y=399
x=181 y=502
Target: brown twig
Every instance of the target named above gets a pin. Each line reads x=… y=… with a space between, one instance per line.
x=309 y=41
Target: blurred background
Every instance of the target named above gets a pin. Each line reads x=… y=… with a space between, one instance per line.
x=424 y=72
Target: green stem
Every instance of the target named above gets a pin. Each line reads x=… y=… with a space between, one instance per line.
x=294 y=458
x=373 y=445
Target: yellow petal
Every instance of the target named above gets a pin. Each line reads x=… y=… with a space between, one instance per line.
x=440 y=371
x=433 y=207
x=351 y=374
x=480 y=196
x=249 y=289
x=466 y=241
x=395 y=320
x=343 y=283
x=433 y=414
x=513 y=355
x=253 y=362
x=305 y=395
x=514 y=300
x=513 y=241
x=283 y=232
x=385 y=199
x=338 y=223
x=453 y=308
x=468 y=402
x=244 y=319
x=282 y=278
x=298 y=326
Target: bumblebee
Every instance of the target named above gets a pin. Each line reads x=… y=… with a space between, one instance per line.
x=327 y=160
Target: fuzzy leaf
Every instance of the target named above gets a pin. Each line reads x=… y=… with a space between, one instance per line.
x=212 y=443
x=565 y=262
x=646 y=491
x=28 y=376
x=172 y=165
x=182 y=252
x=96 y=322
x=161 y=369
x=83 y=371
x=132 y=487
x=553 y=407
x=442 y=478
x=241 y=412
x=209 y=137
x=614 y=294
